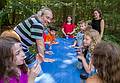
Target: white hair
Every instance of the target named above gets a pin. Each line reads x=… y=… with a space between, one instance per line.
x=42 y=11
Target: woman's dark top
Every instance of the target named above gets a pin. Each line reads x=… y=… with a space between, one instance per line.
x=96 y=25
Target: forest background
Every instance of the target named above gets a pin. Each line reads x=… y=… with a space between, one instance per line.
x=14 y=11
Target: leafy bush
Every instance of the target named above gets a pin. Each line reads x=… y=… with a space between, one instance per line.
x=112 y=36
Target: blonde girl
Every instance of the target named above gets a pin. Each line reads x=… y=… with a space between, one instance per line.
x=91 y=38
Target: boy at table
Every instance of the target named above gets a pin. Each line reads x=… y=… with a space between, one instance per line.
x=50 y=39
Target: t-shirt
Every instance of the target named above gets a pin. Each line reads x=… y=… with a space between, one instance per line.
x=79 y=38
x=29 y=30
x=68 y=27
x=22 y=79
x=50 y=38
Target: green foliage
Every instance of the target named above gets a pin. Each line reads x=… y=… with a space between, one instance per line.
x=77 y=29
x=112 y=36
x=17 y=10
x=14 y=11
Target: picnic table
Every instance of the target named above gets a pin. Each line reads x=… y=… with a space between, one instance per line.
x=64 y=69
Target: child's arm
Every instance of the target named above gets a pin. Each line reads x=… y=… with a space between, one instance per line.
x=63 y=31
x=74 y=44
x=87 y=67
x=72 y=32
x=54 y=42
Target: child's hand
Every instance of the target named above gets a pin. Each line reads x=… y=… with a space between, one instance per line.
x=49 y=60
x=55 y=42
x=70 y=33
x=33 y=72
x=72 y=45
x=77 y=47
x=65 y=35
x=81 y=56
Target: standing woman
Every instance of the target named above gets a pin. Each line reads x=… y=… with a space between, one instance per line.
x=68 y=28
x=98 y=22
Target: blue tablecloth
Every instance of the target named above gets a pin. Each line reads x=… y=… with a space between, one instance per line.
x=64 y=69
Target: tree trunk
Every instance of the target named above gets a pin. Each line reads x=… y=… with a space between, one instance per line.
x=2 y=4
x=73 y=12
x=13 y=17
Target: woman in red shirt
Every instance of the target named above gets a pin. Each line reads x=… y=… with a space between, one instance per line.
x=68 y=28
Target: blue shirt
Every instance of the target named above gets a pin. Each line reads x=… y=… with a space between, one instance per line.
x=79 y=38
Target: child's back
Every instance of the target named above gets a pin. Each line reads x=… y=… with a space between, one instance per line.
x=79 y=38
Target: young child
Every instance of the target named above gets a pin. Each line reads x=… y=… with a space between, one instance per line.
x=80 y=35
x=12 y=66
x=51 y=37
x=106 y=60
x=91 y=38
x=49 y=40
x=68 y=28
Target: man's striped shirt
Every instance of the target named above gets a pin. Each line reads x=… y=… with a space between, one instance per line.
x=29 y=30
